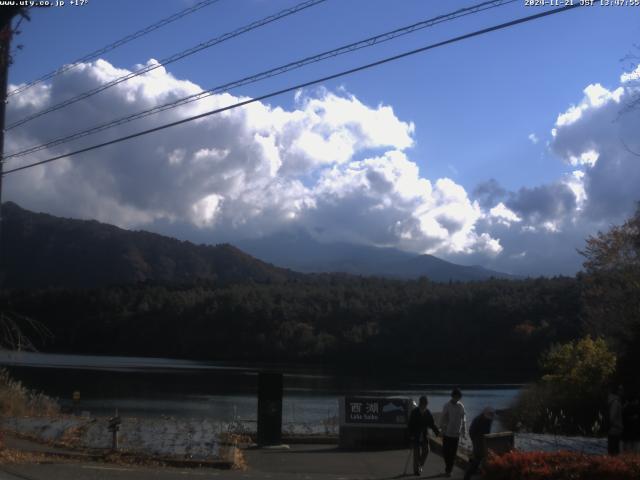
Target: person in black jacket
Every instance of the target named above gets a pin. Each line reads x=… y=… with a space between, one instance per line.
x=419 y=421
x=480 y=426
x=631 y=425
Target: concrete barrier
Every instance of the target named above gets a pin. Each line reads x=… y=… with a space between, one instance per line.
x=498 y=443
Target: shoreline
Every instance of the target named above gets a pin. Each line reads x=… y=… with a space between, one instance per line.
x=201 y=437
x=140 y=364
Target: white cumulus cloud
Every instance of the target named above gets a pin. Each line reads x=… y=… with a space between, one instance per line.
x=332 y=165
x=245 y=173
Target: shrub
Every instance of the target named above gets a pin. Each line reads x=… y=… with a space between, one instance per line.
x=18 y=401
x=561 y=466
x=571 y=397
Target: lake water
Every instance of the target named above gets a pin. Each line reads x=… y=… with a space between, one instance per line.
x=223 y=391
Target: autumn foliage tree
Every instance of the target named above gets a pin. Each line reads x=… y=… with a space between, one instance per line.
x=580 y=368
x=611 y=292
x=571 y=396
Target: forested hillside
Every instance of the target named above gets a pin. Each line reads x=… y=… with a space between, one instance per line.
x=42 y=250
x=99 y=289
x=493 y=329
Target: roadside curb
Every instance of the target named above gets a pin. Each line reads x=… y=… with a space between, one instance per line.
x=106 y=457
x=109 y=456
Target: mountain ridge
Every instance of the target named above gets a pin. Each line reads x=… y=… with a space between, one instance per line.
x=298 y=251
x=46 y=250
x=43 y=250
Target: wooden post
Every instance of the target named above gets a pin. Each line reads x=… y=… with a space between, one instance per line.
x=114 y=427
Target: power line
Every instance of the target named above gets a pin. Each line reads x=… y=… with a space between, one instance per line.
x=368 y=42
x=303 y=85
x=173 y=58
x=114 y=45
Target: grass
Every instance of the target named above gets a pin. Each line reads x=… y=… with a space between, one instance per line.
x=230 y=451
x=542 y=409
x=9 y=456
x=18 y=401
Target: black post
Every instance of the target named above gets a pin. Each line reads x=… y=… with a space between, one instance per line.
x=269 y=409
x=5 y=46
x=6 y=32
x=114 y=427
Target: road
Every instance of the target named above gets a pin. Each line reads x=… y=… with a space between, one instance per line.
x=301 y=462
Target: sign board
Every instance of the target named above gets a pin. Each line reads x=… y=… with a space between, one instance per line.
x=374 y=422
x=376 y=411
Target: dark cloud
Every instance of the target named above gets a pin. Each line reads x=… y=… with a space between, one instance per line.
x=489 y=193
x=544 y=203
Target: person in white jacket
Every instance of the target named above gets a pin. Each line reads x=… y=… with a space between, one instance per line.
x=453 y=426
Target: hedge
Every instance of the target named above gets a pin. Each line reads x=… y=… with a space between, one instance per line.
x=561 y=466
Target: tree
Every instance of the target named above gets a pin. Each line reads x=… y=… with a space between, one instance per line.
x=611 y=291
x=581 y=368
x=571 y=397
x=615 y=251
x=631 y=67
x=15 y=329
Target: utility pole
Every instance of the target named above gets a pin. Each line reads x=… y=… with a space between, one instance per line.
x=5 y=45
x=7 y=15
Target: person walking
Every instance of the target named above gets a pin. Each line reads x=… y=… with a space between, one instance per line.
x=615 y=420
x=453 y=426
x=420 y=421
x=480 y=426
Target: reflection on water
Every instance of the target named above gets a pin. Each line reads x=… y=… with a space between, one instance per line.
x=219 y=391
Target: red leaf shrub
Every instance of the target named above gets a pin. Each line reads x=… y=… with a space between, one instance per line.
x=561 y=466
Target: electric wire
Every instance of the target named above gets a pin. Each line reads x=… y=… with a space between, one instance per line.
x=173 y=58
x=303 y=85
x=114 y=45
x=368 y=42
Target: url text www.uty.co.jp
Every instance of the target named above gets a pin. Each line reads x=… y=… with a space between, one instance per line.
x=44 y=3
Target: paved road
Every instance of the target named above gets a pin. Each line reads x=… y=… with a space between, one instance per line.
x=301 y=462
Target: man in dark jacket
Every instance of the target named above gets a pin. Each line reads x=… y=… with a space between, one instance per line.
x=419 y=421
x=616 y=393
x=480 y=426
x=631 y=425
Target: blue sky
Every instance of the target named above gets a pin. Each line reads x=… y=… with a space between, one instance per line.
x=473 y=105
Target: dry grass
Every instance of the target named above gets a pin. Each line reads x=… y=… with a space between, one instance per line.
x=72 y=437
x=239 y=460
x=18 y=401
x=9 y=457
x=230 y=452
x=131 y=459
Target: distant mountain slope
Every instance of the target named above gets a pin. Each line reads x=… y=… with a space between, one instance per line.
x=42 y=250
x=298 y=251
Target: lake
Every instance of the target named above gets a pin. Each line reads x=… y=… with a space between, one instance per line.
x=224 y=391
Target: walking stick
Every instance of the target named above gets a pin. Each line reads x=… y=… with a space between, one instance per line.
x=406 y=464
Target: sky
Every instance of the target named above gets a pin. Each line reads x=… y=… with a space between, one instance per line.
x=505 y=150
